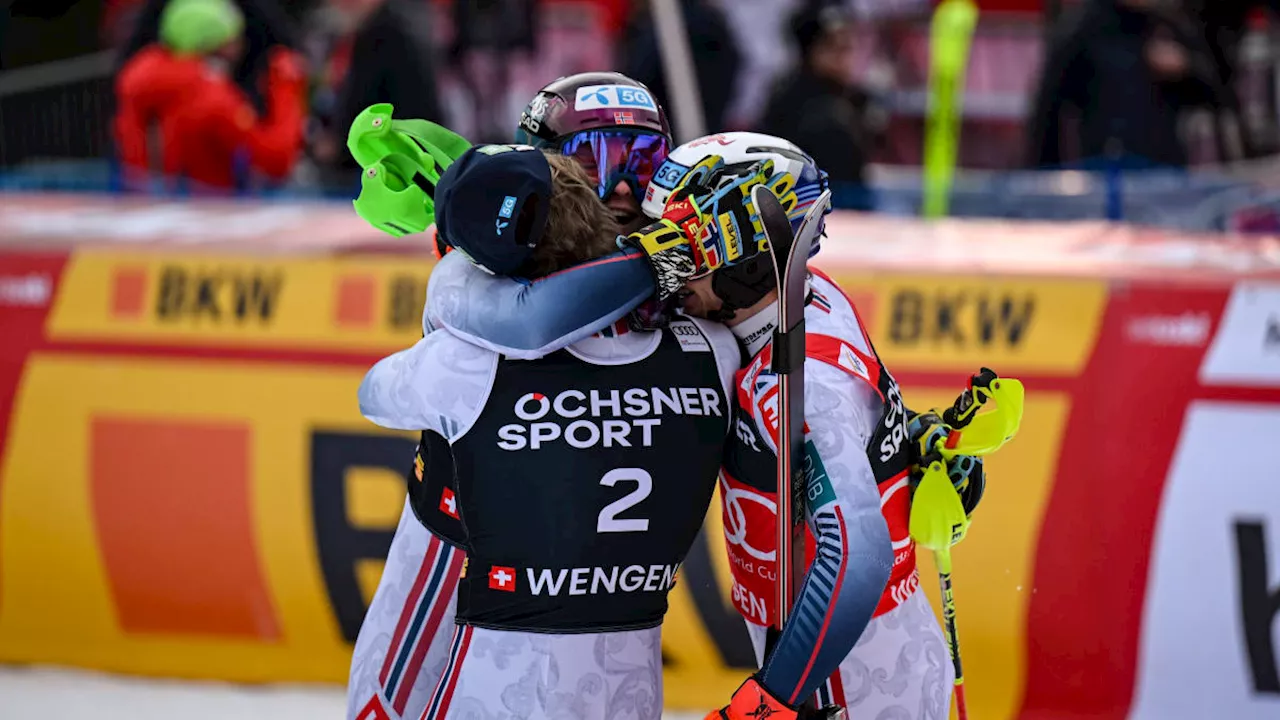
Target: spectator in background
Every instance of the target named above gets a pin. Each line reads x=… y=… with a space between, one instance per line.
x=818 y=106
x=715 y=55
x=385 y=47
x=1226 y=27
x=180 y=112
x=266 y=26
x=1128 y=71
x=490 y=39
x=1225 y=23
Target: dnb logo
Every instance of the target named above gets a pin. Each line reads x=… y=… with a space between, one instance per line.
x=595 y=97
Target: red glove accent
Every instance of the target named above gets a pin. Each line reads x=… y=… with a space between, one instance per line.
x=688 y=217
x=753 y=702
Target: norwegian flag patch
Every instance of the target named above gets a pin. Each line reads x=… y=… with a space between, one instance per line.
x=624 y=118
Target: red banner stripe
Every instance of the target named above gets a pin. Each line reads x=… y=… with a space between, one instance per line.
x=1085 y=616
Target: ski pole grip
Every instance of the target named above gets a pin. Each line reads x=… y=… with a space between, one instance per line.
x=983 y=379
x=962 y=411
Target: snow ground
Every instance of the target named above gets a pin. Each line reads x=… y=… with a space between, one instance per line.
x=64 y=694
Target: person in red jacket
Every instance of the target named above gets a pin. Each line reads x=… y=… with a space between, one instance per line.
x=180 y=113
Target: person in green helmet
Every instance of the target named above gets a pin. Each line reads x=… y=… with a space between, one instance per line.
x=180 y=113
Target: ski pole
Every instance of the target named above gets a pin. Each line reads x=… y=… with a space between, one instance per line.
x=938 y=519
x=942 y=558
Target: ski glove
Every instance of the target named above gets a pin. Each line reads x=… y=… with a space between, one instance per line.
x=753 y=702
x=402 y=160
x=927 y=431
x=733 y=231
x=709 y=222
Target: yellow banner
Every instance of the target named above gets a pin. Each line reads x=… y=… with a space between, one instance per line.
x=922 y=322
x=327 y=303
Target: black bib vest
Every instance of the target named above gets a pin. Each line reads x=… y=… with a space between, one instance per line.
x=578 y=490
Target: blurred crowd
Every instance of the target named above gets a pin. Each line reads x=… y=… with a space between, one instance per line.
x=216 y=95
x=1121 y=78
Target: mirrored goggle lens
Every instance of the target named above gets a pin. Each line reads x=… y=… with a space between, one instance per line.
x=611 y=156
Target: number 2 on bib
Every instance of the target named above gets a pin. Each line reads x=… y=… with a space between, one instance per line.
x=608 y=520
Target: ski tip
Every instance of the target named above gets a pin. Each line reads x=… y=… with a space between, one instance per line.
x=810 y=227
x=774 y=221
x=762 y=195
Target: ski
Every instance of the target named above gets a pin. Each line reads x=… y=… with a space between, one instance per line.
x=790 y=253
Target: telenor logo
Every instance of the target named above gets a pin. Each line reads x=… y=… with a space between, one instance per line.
x=594 y=97
x=508 y=207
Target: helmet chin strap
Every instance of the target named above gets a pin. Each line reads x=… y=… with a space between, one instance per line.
x=741 y=286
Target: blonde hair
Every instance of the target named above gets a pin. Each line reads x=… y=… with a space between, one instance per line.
x=579 y=226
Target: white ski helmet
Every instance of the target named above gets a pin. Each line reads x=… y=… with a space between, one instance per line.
x=742 y=285
x=740 y=150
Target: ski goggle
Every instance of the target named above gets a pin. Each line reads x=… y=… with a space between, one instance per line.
x=611 y=156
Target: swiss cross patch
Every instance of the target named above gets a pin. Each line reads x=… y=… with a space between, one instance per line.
x=502 y=578
x=449 y=504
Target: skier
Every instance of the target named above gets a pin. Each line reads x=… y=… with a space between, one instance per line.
x=549 y=572
x=619 y=134
x=862 y=586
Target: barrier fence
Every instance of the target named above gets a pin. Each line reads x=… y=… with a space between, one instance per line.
x=1242 y=199
x=187 y=488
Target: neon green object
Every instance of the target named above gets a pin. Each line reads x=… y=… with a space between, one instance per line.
x=196 y=27
x=938 y=521
x=992 y=418
x=402 y=162
x=950 y=35
x=987 y=432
